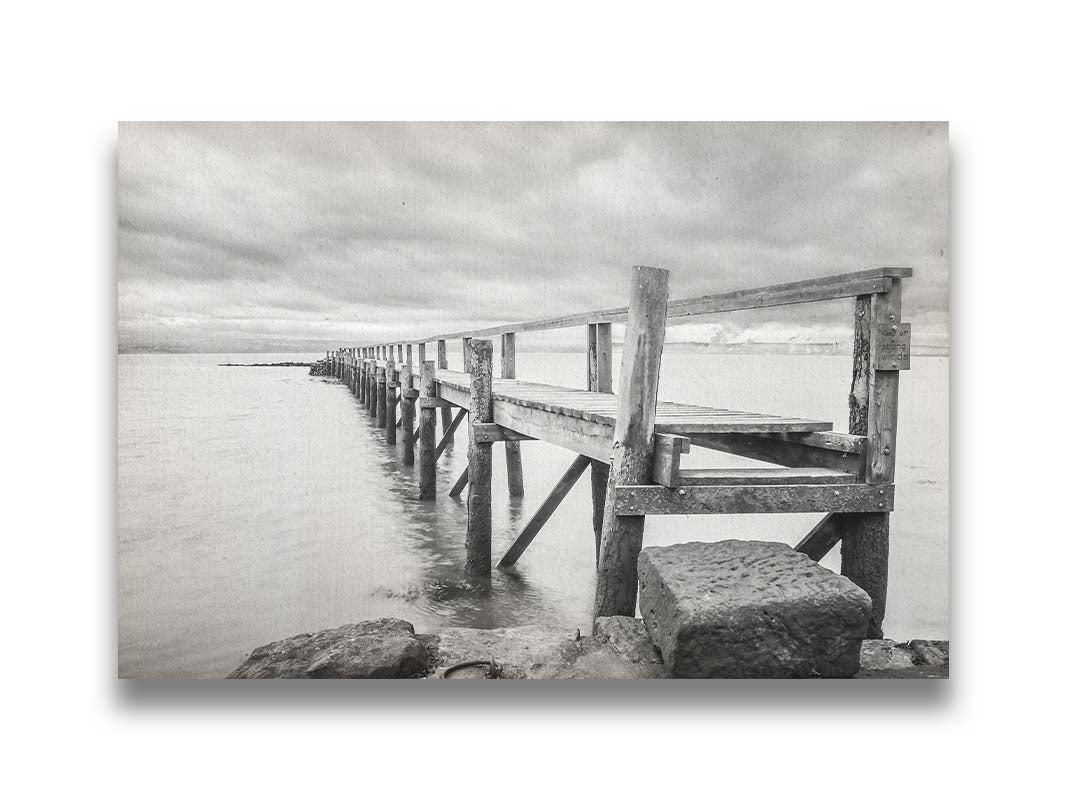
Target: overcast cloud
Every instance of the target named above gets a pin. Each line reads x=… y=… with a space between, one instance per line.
x=307 y=236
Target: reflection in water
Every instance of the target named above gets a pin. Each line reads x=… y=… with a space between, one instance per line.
x=259 y=503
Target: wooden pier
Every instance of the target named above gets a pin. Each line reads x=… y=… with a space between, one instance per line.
x=633 y=443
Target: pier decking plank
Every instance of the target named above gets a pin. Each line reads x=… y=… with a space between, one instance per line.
x=600 y=407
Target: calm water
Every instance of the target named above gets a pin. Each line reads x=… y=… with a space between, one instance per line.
x=257 y=503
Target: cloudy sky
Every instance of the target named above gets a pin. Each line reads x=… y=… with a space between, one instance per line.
x=304 y=236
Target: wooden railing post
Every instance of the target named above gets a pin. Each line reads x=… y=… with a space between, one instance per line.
x=442 y=363
x=372 y=389
x=407 y=359
x=512 y=453
x=632 y=450
x=427 y=433
x=467 y=354
x=872 y=413
x=422 y=352
x=480 y=461
x=407 y=414
x=379 y=394
x=390 y=402
x=599 y=380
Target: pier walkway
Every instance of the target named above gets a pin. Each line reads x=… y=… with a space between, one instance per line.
x=633 y=444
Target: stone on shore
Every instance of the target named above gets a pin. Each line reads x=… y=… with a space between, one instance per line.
x=377 y=648
x=543 y=652
x=318 y=368
x=737 y=609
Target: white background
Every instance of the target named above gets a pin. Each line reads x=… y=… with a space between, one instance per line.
x=71 y=70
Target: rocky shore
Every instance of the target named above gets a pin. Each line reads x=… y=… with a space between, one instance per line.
x=274 y=364
x=619 y=648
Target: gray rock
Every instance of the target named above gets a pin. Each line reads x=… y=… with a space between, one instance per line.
x=738 y=609
x=932 y=653
x=885 y=654
x=377 y=648
x=629 y=638
x=318 y=368
x=542 y=652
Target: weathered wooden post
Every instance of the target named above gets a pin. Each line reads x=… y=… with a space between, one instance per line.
x=408 y=359
x=363 y=398
x=427 y=432
x=466 y=354
x=379 y=393
x=422 y=352
x=512 y=453
x=407 y=413
x=873 y=413
x=390 y=402
x=480 y=462
x=442 y=363
x=632 y=450
x=599 y=380
x=372 y=388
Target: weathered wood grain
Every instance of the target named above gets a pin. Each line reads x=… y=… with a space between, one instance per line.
x=390 y=403
x=748 y=477
x=633 y=449
x=512 y=451
x=639 y=500
x=407 y=415
x=480 y=462
x=546 y=509
x=427 y=433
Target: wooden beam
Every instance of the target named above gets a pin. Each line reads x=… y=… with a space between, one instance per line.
x=633 y=448
x=461 y=483
x=822 y=538
x=541 y=516
x=789 y=453
x=390 y=402
x=442 y=363
x=830 y=287
x=512 y=451
x=450 y=431
x=599 y=380
x=639 y=500
x=492 y=432
x=480 y=462
x=407 y=415
x=750 y=477
x=427 y=434
x=666 y=460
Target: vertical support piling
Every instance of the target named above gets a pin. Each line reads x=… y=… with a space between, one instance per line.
x=442 y=363
x=480 y=461
x=872 y=413
x=407 y=414
x=372 y=389
x=379 y=394
x=390 y=402
x=512 y=453
x=427 y=433
x=631 y=459
x=599 y=380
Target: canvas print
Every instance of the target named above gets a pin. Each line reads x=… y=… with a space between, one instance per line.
x=533 y=400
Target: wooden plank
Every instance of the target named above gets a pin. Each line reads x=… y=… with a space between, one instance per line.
x=782 y=451
x=442 y=365
x=492 y=432
x=460 y=484
x=427 y=434
x=541 y=516
x=666 y=460
x=450 y=431
x=822 y=538
x=749 y=477
x=391 y=399
x=480 y=462
x=830 y=287
x=599 y=380
x=512 y=451
x=639 y=500
x=407 y=415
x=633 y=448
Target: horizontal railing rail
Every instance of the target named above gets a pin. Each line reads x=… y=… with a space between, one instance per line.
x=830 y=287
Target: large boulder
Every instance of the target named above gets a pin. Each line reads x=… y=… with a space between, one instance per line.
x=736 y=609
x=376 y=648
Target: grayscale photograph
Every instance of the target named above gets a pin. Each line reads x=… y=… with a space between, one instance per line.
x=533 y=400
